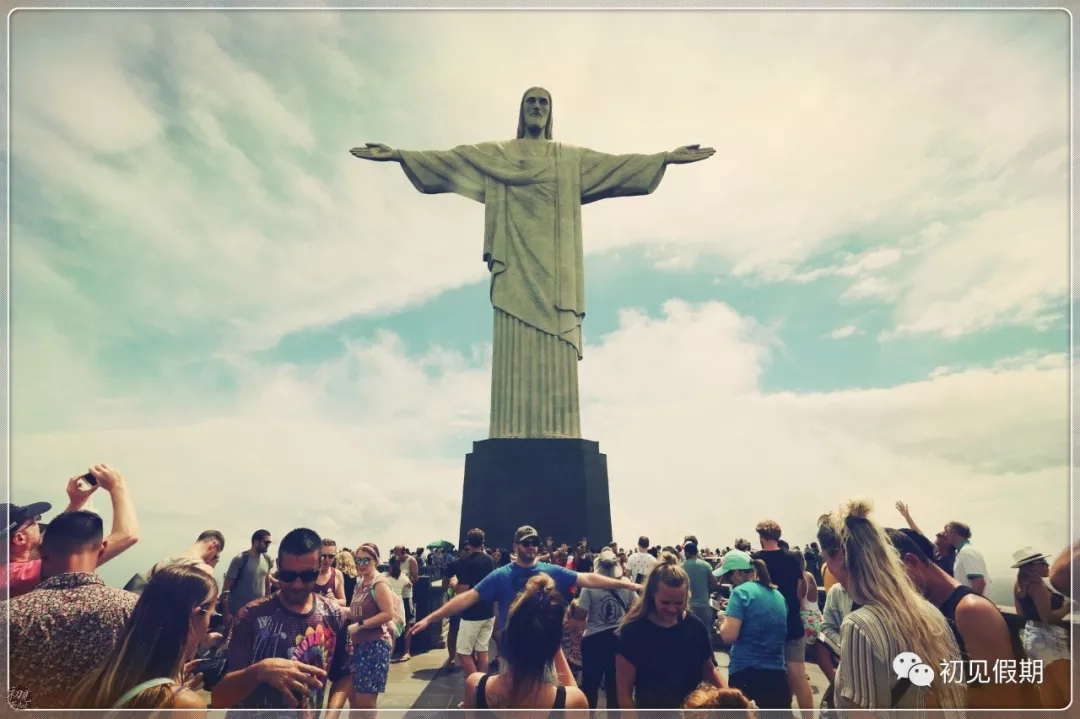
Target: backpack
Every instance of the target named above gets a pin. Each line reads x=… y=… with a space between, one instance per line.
x=243 y=566
x=244 y=563
x=396 y=625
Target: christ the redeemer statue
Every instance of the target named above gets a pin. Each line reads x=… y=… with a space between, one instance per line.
x=533 y=189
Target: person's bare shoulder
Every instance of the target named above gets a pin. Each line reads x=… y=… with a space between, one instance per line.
x=575 y=699
x=976 y=612
x=187 y=699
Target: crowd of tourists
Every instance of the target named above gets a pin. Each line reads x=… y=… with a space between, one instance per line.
x=316 y=626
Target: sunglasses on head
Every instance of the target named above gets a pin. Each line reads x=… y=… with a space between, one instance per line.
x=308 y=576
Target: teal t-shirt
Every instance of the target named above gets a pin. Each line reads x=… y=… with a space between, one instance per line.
x=763 y=613
x=699 y=572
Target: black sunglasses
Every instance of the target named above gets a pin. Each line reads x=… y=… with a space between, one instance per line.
x=329 y=556
x=529 y=543
x=308 y=576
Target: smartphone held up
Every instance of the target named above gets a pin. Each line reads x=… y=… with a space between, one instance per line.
x=86 y=482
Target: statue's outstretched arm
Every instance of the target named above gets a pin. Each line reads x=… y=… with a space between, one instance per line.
x=689 y=153
x=376 y=152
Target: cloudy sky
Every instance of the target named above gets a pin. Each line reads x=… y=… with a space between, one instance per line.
x=865 y=292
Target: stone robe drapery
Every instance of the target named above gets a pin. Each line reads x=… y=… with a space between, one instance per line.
x=533 y=191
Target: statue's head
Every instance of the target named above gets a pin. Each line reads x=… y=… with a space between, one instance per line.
x=534 y=116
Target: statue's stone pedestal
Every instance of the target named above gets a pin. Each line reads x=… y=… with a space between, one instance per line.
x=558 y=486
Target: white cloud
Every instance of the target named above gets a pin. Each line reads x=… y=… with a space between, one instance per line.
x=958 y=286
x=845 y=331
x=90 y=102
x=869 y=288
x=371 y=446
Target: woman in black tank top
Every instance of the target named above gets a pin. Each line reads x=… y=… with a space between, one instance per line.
x=1044 y=637
x=531 y=653
x=331 y=582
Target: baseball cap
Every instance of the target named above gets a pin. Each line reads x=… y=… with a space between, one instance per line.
x=524 y=533
x=17 y=516
x=734 y=560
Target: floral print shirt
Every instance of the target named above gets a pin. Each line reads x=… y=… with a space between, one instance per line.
x=265 y=629
x=61 y=631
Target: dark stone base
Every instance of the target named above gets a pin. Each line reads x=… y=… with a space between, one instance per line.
x=559 y=486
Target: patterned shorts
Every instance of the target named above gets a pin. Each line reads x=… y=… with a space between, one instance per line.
x=812 y=622
x=371 y=667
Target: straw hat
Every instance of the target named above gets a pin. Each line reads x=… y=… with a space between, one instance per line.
x=1027 y=555
x=608 y=564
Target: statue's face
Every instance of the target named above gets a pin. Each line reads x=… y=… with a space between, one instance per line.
x=536 y=107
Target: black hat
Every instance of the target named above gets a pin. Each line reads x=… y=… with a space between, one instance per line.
x=17 y=516
x=524 y=533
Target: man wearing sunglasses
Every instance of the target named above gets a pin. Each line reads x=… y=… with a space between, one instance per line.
x=25 y=529
x=505 y=583
x=283 y=648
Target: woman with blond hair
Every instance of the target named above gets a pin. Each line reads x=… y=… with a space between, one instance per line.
x=346 y=564
x=892 y=619
x=1044 y=637
x=147 y=667
x=531 y=654
x=664 y=651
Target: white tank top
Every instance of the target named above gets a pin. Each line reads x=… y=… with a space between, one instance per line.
x=806 y=604
x=401 y=586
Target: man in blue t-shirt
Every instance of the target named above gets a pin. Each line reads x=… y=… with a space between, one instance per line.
x=505 y=583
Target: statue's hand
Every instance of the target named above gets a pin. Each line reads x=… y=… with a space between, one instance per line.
x=376 y=152
x=689 y=153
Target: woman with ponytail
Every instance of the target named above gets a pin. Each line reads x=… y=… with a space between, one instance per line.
x=755 y=626
x=664 y=651
x=531 y=653
x=146 y=669
x=892 y=618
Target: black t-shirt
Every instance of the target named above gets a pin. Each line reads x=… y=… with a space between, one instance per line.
x=668 y=660
x=469 y=571
x=784 y=570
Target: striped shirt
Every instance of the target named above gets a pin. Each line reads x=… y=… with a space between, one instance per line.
x=865 y=676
